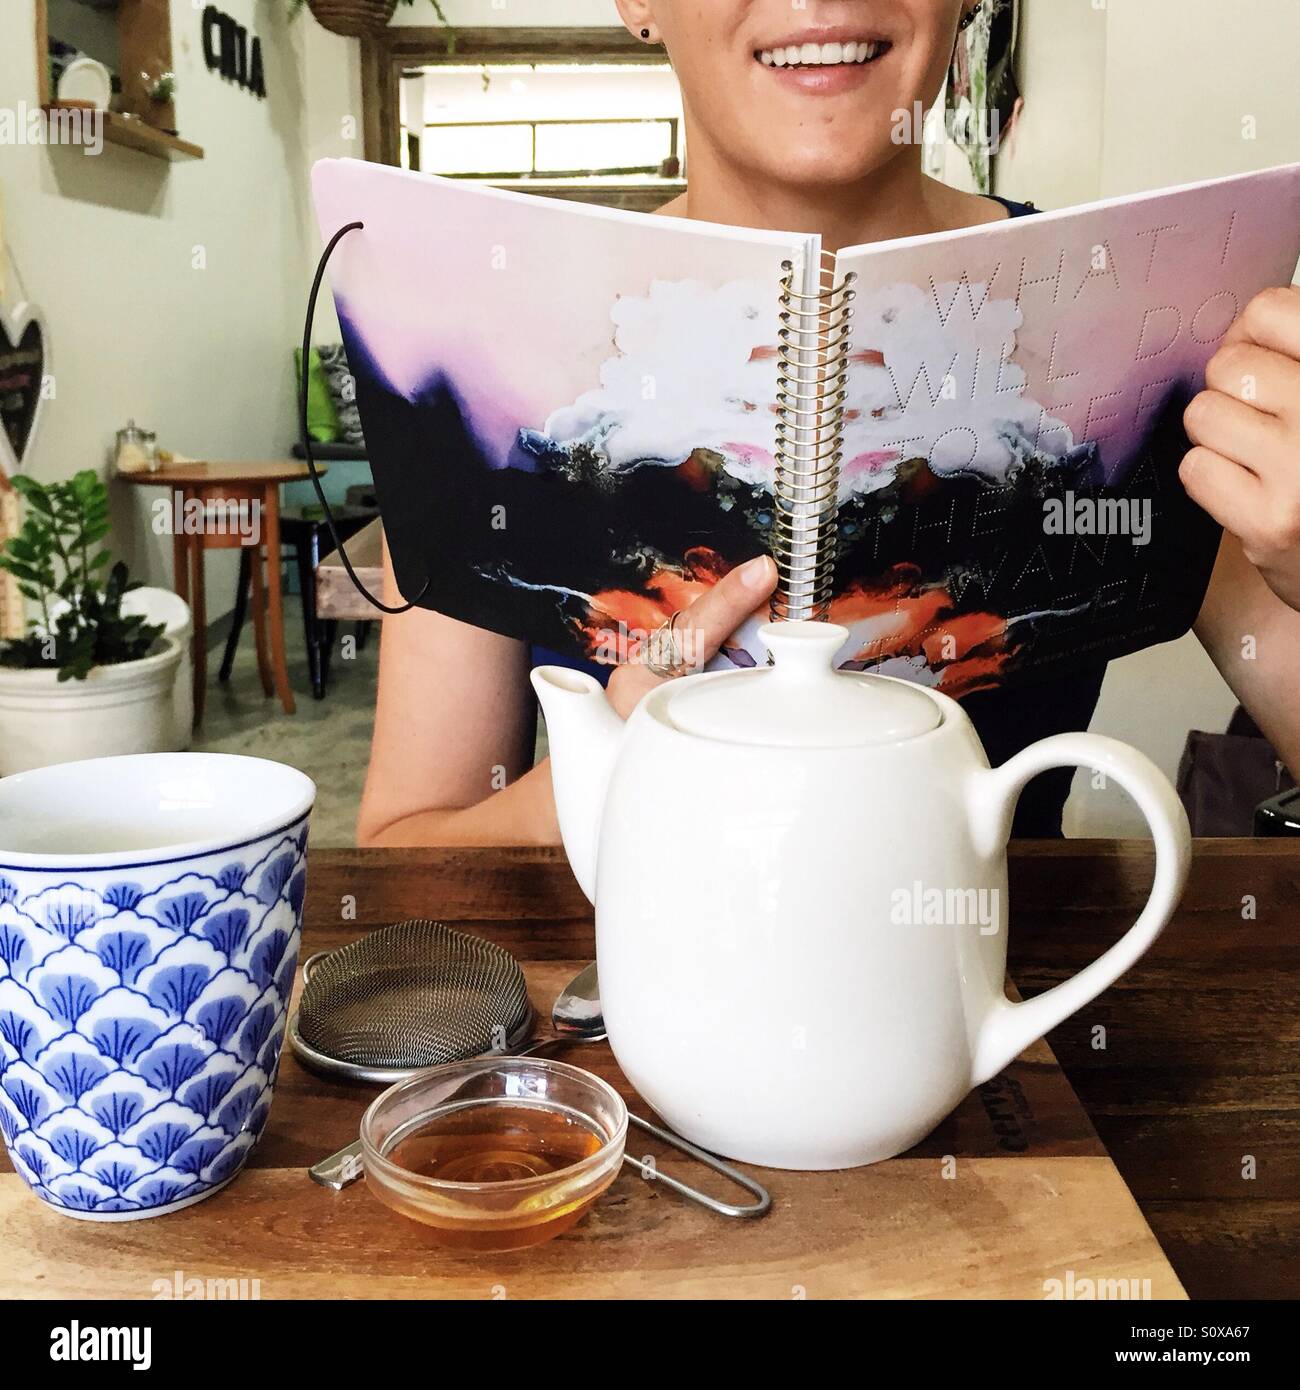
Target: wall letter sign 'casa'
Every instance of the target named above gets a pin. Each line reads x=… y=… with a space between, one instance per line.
x=229 y=49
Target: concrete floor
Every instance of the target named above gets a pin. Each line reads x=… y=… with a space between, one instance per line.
x=327 y=739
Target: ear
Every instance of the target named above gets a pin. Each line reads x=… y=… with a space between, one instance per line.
x=637 y=16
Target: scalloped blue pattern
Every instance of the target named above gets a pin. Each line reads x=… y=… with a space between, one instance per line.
x=141 y=1020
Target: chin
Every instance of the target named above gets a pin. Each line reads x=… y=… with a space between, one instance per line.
x=827 y=167
x=816 y=164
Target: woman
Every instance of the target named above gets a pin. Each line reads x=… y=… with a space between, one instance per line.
x=807 y=145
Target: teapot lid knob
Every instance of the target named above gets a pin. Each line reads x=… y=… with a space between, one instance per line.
x=800 y=700
x=802 y=648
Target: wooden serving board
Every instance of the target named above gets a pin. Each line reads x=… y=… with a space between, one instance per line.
x=1012 y=1192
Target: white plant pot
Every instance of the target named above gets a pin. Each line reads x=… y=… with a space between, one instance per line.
x=126 y=708
x=169 y=609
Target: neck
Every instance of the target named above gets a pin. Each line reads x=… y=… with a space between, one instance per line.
x=895 y=200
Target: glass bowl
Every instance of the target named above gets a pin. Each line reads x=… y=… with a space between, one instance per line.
x=496 y=1153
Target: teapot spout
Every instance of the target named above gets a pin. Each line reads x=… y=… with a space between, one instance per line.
x=585 y=735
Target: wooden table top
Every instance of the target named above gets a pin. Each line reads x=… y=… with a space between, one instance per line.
x=255 y=472
x=1014 y=1189
x=1196 y=1090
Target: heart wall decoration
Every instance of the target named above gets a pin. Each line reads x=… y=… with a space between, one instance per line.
x=22 y=378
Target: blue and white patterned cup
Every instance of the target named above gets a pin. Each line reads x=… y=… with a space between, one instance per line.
x=150 y=913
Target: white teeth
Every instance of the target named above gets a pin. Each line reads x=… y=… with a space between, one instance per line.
x=813 y=55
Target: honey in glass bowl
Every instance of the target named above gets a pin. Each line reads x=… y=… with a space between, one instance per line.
x=494 y=1154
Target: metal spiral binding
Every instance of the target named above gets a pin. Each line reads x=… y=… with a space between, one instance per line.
x=813 y=366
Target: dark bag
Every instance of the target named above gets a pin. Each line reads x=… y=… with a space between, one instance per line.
x=1223 y=777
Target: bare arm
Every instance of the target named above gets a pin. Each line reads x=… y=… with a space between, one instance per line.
x=451 y=761
x=1245 y=471
x=1254 y=640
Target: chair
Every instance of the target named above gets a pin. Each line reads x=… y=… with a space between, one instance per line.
x=303 y=532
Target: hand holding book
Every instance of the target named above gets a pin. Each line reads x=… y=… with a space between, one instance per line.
x=702 y=628
x=1245 y=468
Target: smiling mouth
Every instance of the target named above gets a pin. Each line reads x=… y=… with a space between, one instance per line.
x=823 y=55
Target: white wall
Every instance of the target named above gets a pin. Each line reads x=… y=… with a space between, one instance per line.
x=1182 y=77
x=1135 y=95
x=1053 y=155
x=109 y=246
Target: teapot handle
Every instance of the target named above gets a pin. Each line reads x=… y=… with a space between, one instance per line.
x=1009 y=1028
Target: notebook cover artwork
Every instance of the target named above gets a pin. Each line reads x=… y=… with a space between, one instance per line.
x=571 y=414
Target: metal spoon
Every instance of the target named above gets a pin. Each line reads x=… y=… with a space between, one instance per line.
x=577 y=1017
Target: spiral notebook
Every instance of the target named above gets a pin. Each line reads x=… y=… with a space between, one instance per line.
x=962 y=447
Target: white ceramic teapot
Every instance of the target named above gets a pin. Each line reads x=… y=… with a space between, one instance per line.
x=800 y=885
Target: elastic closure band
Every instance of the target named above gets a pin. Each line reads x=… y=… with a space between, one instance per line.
x=305 y=438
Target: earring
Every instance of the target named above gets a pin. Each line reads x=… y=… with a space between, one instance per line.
x=645 y=34
x=969 y=17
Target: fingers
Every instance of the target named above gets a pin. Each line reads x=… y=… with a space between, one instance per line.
x=704 y=626
x=628 y=686
x=1271 y=320
x=1257 y=376
x=1231 y=494
x=1228 y=426
x=701 y=629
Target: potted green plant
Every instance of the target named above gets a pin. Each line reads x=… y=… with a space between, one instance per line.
x=88 y=679
x=359 y=18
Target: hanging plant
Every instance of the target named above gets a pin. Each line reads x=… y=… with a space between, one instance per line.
x=356 y=19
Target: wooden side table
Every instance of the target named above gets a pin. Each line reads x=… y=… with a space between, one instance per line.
x=250 y=492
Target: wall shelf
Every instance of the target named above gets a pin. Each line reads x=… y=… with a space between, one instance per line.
x=144 y=42
x=136 y=135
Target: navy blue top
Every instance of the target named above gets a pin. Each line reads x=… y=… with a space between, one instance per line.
x=1006 y=720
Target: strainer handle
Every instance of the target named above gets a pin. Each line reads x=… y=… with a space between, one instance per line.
x=653 y=1173
x=342 y=1169
x=339 y=1170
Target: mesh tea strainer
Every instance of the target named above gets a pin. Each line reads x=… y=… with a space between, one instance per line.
x=405 y=998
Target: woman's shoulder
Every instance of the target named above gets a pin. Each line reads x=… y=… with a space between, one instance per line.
x=954 y=209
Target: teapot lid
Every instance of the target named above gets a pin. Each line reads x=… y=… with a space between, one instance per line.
x=802 y=701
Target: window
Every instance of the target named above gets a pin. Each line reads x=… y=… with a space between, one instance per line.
x=581 y=113
x=557 y=122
